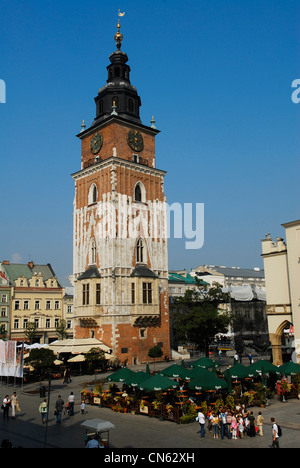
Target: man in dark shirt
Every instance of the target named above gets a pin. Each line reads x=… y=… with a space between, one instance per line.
x=59 y=405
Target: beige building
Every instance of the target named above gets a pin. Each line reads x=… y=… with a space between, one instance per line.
x=282 y=273
x=36 y=297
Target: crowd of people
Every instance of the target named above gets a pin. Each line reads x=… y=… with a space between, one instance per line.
x=234 y=424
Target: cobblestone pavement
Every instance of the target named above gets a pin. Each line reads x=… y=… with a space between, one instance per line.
x=131 y=431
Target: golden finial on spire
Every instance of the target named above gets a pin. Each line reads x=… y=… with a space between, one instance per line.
x=118 y=35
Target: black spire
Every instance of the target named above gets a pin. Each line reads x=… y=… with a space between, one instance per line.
x=118 y=91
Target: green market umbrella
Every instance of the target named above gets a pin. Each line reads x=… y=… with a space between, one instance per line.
x=137 y=378
x=238 y=371
x=198 y=372
x=120 y=375
x=208 y=382
x=204 y=362
x=157 y=383
x=174 y=371
x=289 y=368
x=262 y=367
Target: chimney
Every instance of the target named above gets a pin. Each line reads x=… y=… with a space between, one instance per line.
x=31 y=264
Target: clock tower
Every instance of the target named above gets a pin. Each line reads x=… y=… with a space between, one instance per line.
x=120 y=256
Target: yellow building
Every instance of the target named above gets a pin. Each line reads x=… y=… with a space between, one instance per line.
x=37 y=297
x=282 y=272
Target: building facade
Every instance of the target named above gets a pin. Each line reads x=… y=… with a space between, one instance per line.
x=282 y=271
x=36 y=296
x=120 y=257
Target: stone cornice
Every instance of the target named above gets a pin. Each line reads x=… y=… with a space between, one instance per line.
x=115 y=161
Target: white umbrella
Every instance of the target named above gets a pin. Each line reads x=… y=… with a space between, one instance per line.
x=98 y=425
x=77 y=358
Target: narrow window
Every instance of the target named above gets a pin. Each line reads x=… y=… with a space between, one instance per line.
x=139 y=251
x=144 y=293
x=98 y=294
x=138 y=193
x=132 y=294
x=85 y=294
x=149 y=293
x=130 y=105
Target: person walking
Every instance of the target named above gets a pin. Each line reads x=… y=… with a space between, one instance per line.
x=275 y=435
x=14 y=403
x=260 y=421
x=251 y=425
x=43 y=409
x=5 y=407
x=201 y=420
x=71 y=401
x=59 y=406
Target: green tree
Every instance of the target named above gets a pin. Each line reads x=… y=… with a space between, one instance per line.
x=155 y=352
x=30 y=332
x=61 y=329
x=197 y=318
x=3 y=332
x=96 y=357
x=42 y=360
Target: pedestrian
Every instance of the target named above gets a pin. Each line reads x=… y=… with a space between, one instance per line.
x=275 y=435
x=223 y=422
x=251 y=424
x=43 y=409
x=93 y=443
x=260 y=421
x=215 y=425
x=59 y=405
x=5 y=407
x=14 y=402
x=241 y=426
x=234 y=427
x=201 y=420
x=71 y=401
x=228 y=423
x=65 y=376
x=82 y=407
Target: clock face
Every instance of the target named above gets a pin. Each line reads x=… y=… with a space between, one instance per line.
x=135 y=140
x=96 y=143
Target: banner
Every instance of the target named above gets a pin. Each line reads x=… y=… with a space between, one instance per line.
x=11 y=363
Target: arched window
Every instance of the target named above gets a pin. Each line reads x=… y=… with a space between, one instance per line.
x=140 y=251
x=93 y=194
x=139 y=193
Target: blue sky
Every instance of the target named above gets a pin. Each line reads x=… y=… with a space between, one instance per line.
x=217 y=77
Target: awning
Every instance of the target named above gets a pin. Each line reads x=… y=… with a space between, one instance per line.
x=78 y=346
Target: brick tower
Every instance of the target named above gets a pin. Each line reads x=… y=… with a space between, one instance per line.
x=120 y=256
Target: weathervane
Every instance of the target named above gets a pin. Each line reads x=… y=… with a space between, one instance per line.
x=118 y=35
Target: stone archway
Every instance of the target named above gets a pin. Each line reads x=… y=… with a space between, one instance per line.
x=276 y=342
